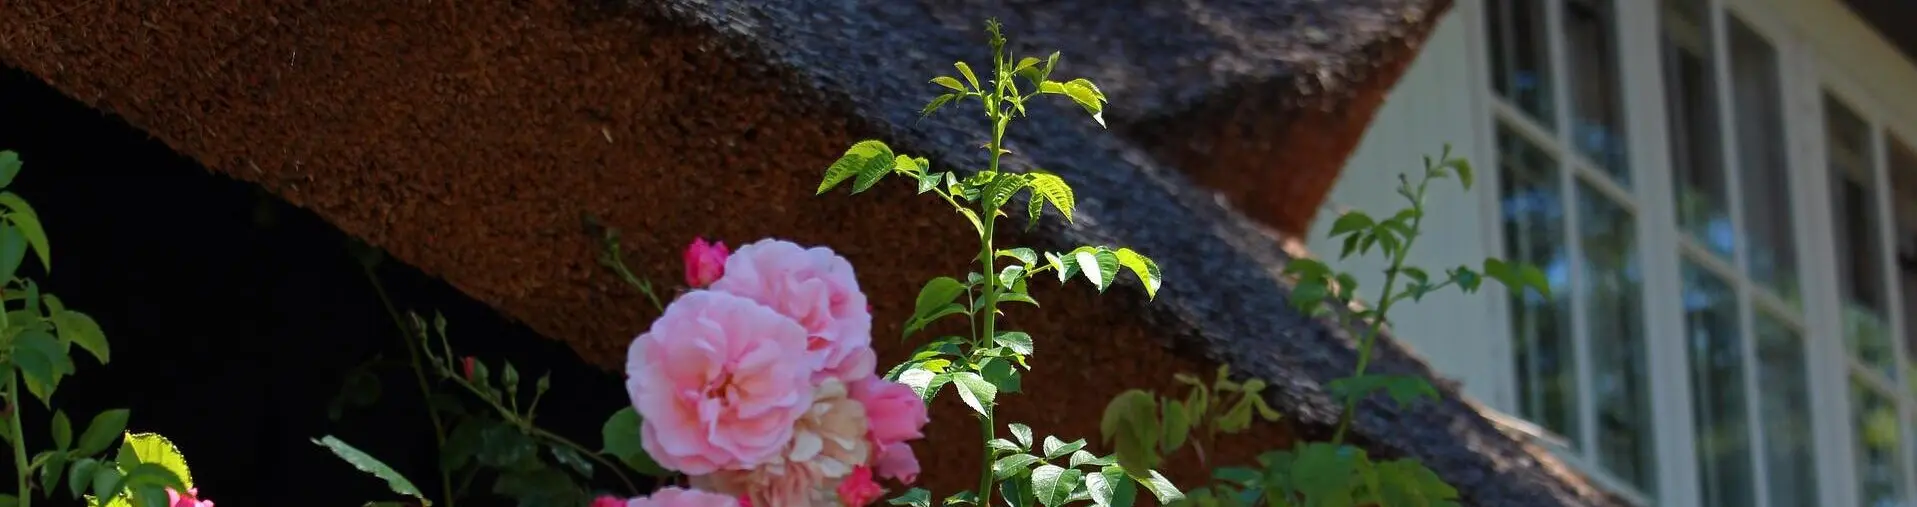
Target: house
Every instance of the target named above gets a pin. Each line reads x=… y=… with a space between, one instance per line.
x=472 y=139
x=1721 y=192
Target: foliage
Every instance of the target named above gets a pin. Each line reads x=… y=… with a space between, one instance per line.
x=1322 y=473
x=988 y=362
x=39 y=335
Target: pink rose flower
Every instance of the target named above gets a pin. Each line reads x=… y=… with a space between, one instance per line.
x=772 y=486
x=896 y=413
x=858 y=489
x=677 y=497
x=897 y=462
x=190 y=499
x=608 y=501
x=815 y=287
x=716 y=384
x=705 y=262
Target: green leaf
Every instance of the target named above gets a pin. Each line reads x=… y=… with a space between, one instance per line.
x=1160 y=487
x=1324 y=473
x=148 y=482
x=1055 y=448
x=962 y=498
x=51 y=469
x=1408 y=483
x=1109 y=487
x=1018 y=341
x=13 y=250
x=1082 y=458
x=1404 y=389
x=1016 y=493
x=1054 y=190
x=81 y=330
x=975 y=391
x=936 y=293
x=29 y=224
x=1350 y=222
x=156 y=450
x=1001 y=189
x=1011 y=466
x=918 y=323
x=948 y=82
x=999 y=372
x=1534 y=278
x=571 y=458
x=920 y=380
x=1011 y=275
x=915 y=497
x=42 y=362
x=366 y=463
x=1143 y=268
x=100 y=433
x=1177 y=426
x=1025 y=256
x=931 y=107
x=966 y=70
x=9 y=167
x=80 y=475
x=1100 y=265
x=621 y=436
x=1003 y=445
x=1025 y=63
x=1022 y=433
x=1053 y=484
x=861 y=159
x=62 y=431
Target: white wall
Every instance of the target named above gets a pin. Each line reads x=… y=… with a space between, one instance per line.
x=1432 y=105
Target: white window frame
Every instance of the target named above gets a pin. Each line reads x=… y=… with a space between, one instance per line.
x=1811 y=67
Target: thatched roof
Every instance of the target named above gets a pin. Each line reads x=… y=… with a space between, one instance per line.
x=469 y=138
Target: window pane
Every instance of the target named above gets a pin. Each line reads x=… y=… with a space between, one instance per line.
x=1860 y=266
x=1611 y=290
x=1783 y=394
x=1903 y=187
x=1717 y=389
x=1534 y=232
x=1690 y=98
x=1763 y=164
x=1520 y=61
x=1878 y=441
x=1597 y=119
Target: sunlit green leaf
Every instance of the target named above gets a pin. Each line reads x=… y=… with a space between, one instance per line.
x=949 y=82
x=156 y=450
x=1053 y=484
x=1055 y=191
x=966 y=70
x=861 y=159
x=1012 y=466
x=915 y=497
x=1022 y=433
x=1142 y=267
x=1056 y=448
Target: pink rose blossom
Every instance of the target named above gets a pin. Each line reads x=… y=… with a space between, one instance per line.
x=716 y=384
x=190 y=499
x=815 y=287
x=831 y=437
x=608 y=501
x=772 y=486
x=677 y=497
x=897 y=462
x=858 y=489
x=705 y=262
x=897 y=413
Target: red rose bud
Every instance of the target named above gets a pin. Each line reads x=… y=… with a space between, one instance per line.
x=466 y=364
x=705 y=262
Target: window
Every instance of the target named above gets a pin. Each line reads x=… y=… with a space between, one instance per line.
x=1566 y=207
x=1745 y=357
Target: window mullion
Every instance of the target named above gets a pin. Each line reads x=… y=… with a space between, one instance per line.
x=1640 y=47
x=1893 y=297
x=1580 y=334
x=1829 y=359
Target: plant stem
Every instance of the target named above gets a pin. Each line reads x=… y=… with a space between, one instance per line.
x=527 y=426
x=419 y=375
x=988 y=308
x=19 y=439
x=1378 y=319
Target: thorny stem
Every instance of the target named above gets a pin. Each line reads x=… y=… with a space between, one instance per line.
x=19 y=440
x=526 y=425
x=1385 y=299
x=612 y=259
x=419 y=375
x=988 y=302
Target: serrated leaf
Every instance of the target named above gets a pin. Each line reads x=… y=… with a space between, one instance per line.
x=621 y=435
x=1052 y=485
x=916 y=324
x=920 y=380
x=932 y=107
x=966 y=70
x=999 y=372
x=81 y=330
x=1054 y=190
x=1013 y=465
x=1350 y=222
x=1025 y=63
x=1056 y=448
x=1018 y=341
x=1003 y=445
x=1022 y=433
x=1100 y=265
x=1011 y=275
x=857 y=161
x=1001 y=189
x=975 y=391
x=1109 y=488
x=1087 y=96
x=23 y=217
x=54 y=466
x=101 y=431
x=1177 y=426
x=156 y=450
x=1142 y=267
x=1082 y=458
x=80 y=475
x=1016 y=493
x=962 y=498
x=1025 y=256
x=367 y=463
